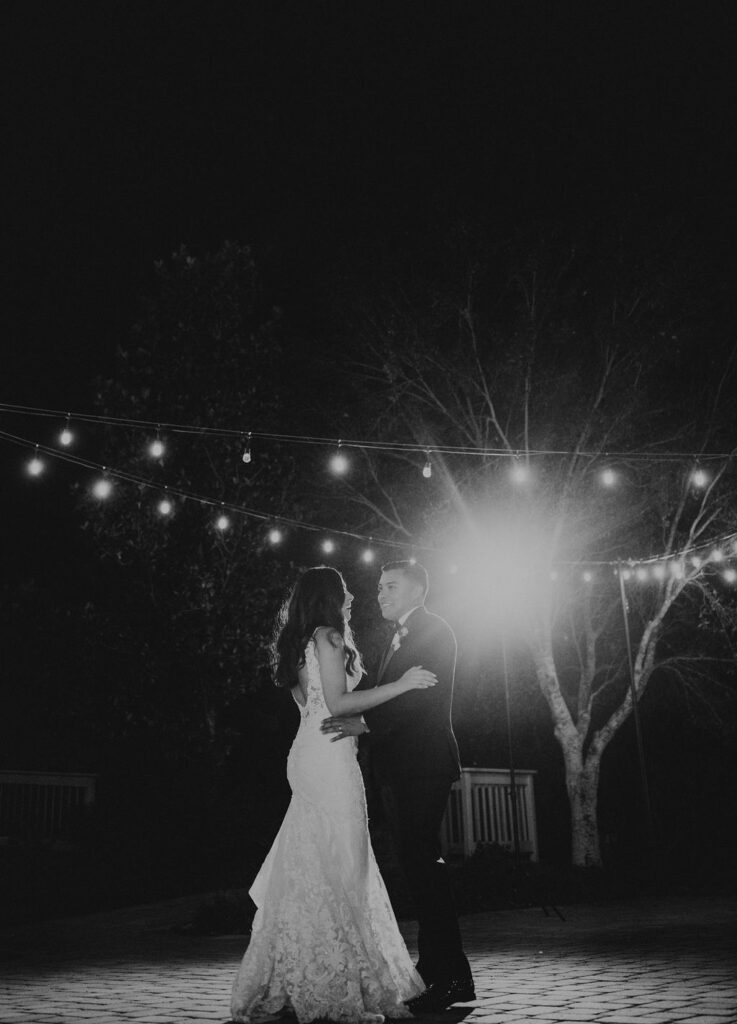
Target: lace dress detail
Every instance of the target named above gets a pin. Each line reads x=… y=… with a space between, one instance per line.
x=325 y=942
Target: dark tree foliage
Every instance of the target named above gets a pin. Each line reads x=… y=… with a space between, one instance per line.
x=182 y=623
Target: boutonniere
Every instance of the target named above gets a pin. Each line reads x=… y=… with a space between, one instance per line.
x=400 y=634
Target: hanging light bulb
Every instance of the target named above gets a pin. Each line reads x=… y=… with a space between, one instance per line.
x=626 y=574
x=156 y=448
x=659 y=572
x=367 y=555
x=246 y=457
x=696 y=562
x=222 y=523
x=35 y=465
x=716 y=555
x=676 y=569
x=641 y=573
x=520 y=472
x=165 y=507
x=587 y=576
x=275 y=536
x=102 y=488
x=66 y=436
x=427 y=468
x=730 y=575
x=328 y=546
x=339 y=463
x=699 y=478
x=608 y=477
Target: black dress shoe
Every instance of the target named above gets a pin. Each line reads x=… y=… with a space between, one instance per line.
x=440 y=996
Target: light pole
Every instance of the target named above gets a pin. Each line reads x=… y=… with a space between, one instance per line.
x=510 y=747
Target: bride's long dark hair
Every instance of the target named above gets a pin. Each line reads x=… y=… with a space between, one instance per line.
x=316 y=599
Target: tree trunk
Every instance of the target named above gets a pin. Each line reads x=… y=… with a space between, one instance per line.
x=582 y=783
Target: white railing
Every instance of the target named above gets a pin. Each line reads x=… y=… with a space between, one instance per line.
x=39 y=805
x=480 y=811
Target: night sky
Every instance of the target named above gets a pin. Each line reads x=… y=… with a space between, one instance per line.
x=315 y=131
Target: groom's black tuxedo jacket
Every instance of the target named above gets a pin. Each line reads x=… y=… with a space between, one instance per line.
x=412 y=735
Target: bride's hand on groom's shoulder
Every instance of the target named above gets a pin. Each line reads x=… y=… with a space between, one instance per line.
x=350 y=725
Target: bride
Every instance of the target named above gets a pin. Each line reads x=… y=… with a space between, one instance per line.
x=325 y=942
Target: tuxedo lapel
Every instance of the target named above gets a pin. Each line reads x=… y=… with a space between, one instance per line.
x=386 y=657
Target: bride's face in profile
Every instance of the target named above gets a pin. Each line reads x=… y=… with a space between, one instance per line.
x=347 y=605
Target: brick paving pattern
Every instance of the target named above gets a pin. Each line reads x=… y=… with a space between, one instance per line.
x=654 y=962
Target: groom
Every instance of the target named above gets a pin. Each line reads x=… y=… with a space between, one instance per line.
x=414 y=758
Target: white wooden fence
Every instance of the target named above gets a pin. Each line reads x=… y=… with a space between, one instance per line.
x=480 y=811
x=38 y=805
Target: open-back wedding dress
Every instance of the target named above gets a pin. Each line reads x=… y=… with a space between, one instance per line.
x=325 y=942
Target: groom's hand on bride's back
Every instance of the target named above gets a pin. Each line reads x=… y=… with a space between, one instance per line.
x=350 y=725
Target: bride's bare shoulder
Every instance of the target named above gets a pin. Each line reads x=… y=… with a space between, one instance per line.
x=328 y=636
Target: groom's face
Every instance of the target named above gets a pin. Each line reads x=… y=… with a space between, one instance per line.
x=397 y=594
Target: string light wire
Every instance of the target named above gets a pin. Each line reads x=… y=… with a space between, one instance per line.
x=706 y=548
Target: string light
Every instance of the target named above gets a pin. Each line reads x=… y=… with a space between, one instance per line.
x=671 y=563
x=608 y=477
x=730 y=575
x=427 y=468
x=520 y=472
x=102 y=488
x=587 y=576
x=275 y=536
x=156 y=449
x=222 y=523
x=66 y=436
x=35 y=465
x=246 y=457
x=699 y=478
x=328 y=546
x=339 y=463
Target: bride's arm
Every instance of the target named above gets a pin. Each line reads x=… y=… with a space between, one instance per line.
x=331 y=656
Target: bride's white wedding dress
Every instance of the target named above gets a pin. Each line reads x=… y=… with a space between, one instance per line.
x=325 y=942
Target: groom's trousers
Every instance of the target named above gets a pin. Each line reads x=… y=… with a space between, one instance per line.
x=414 y=808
